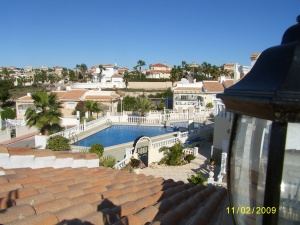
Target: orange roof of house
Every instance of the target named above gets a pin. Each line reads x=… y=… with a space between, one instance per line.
x=187 y=90
x=157 y=71
x=73 y=95
x=102 y=98
x=101 y=196
x=213 y=86
x=228 y=83
x=70 y=95
x=158 y=65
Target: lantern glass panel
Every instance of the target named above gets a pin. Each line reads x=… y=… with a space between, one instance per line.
x=289 y=208
x=248 y=167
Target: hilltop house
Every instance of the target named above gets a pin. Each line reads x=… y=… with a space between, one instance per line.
x=158 y=71
x=109 y=77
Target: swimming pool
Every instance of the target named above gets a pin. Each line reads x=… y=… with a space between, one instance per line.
x=118 y=134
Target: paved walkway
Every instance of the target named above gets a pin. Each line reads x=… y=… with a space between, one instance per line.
x=177 y=173
x=181 y=173
x=19 y=139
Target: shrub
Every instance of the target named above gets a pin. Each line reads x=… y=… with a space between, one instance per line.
x=197 y=178
x=189 y=158
x=134 y=163
x=98 y=149
x=209 y=105
x=173 y=156
x=58 y=143
x=108 y=161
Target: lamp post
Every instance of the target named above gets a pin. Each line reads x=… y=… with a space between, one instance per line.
x=264 y=151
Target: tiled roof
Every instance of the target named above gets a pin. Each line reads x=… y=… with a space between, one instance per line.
x=213 y=86
x=101 y=98
x=159 y=65
x=101 y=196
x=117 y=76
x=187 y=90
x=228 y=83
x=40 y=153
x=70 y=95
x=157 y=71
x=73 y=95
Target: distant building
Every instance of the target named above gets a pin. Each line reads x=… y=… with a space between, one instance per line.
x=122 y=70
x=158 y=71
x=58 y=70
x=191 y=96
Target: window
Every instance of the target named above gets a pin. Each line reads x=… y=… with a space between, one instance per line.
x=289 y=207
x=248 y=166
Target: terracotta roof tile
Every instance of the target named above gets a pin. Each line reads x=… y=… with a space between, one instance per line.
x=35 y=199
x=42 y=219
x=213 y=86
x=14 y=213
x=103 y=196
x=228 y=83
x=53 y=205
x=75 y=211
x=3 y=149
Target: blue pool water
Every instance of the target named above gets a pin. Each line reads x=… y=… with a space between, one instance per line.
x=119 y=134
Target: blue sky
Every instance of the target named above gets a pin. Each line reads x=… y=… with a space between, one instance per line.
x=68 y=32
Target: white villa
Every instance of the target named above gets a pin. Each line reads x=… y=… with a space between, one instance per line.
x=158 y=71
x=196 y=95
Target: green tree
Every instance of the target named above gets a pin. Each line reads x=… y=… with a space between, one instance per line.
x=72 y=75
x=82 y=68
x=143 y=105
x=40 y=77
x=45 y=115
x=129 y=103
x=173 y=156
x=4 y=95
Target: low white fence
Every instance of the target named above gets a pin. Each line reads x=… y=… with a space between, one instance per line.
x=72 y=132
x=191 y=151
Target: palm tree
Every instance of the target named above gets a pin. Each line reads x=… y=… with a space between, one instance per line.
x=101 y=67
x=45 y=115
x=92 y=106
x=97 y=109
x=89 y=106
x=82 y=68
x=139 y=65
x=126 y=78
x=143 y=105
x=174 y=75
